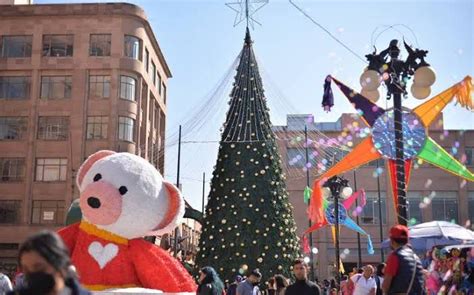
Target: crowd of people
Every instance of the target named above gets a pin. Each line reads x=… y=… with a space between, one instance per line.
x=403 y=273
x=46 y=269
x=211 y=284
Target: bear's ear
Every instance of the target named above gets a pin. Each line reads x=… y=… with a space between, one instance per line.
x=86 y=166
x=175 y=210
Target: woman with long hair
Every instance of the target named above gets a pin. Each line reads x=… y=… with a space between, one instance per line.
x=379 y=278
x=45 y=263
x=209 y=282
x=280 y=284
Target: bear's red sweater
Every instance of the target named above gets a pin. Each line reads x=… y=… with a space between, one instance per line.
x=104 y=261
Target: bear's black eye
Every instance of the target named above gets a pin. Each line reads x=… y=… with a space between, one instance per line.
x=97 y=177
x=123 y=190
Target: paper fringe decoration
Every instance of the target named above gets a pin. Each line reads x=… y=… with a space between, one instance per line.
x=305 y=241
x=370 y=246
x=315 y=209
x=464 y=93
x=328 y=97
x=307 y=194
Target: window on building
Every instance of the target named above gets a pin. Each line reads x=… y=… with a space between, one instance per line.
x=297 y=157
x=164 y=92
x=100 y=44
x=132 y=47
x=147 y=60
x=10 y=212
x=58 y=45
x=15 y=88
x=160 y=89
x=445 y=206
x=128 y=88
x=13 y=128
x=469 y=151
x=16 y=46
x=414 y=199
x=126 y=129
x=48 y=212
x=48 y=169
x=99 y=86
x=53 y=128
x=157 y=118
x=12 y=169
x=153 y=72
x=150 y=152
x=370 y=213
x=470 y=198
x=97 y=127
x=56 y=87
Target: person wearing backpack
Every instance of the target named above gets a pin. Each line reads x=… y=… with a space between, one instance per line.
x=403 y=273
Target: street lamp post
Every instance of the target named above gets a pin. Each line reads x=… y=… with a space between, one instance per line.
x=336 y=184
x=306 y=145
x=395 y=74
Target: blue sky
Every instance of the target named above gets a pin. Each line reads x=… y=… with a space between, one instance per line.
x=200 y=43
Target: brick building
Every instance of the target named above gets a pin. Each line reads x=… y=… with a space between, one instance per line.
x=452 y=198
x=74 y=79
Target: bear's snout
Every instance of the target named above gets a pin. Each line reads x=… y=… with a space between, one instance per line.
x=101 y=203
x=93 y=202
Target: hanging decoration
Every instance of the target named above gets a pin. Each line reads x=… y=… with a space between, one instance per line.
x=328 y=216
x=380 y=143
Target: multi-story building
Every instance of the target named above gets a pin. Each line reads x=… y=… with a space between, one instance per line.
x=74 y=79
x=433 y=194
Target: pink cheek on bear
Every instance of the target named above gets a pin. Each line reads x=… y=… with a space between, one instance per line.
x=101 y=203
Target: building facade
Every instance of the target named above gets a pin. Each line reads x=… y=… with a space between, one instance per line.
x=74 y=79
x=433 y=194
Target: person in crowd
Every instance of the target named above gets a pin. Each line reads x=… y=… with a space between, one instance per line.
x=379 y=278
x=281 y=283
x=19 y=280
x=302 y=286
x=5 y=283
x=403 y=272
x=209 y=282
x=188 y=261
x=364 y=284
x=271 y=290
x=46 y=265
x=344 y=283
x=333 y=283
x=250 y=285
x=232 y=290
x=326 y=287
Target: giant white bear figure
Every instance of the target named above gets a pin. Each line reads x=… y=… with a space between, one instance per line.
x=122 y=199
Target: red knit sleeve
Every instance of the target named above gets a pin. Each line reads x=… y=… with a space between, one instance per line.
x=156 y=269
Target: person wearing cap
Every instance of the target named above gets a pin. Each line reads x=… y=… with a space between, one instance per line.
x=250 y=285
x=403 y=272
x=232 y=290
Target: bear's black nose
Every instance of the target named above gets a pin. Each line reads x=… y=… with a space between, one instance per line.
x=93 y=202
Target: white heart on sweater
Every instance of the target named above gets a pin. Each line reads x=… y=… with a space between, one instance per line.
x=103 y=254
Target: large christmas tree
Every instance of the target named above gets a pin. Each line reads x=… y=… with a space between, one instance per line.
x=248 y=220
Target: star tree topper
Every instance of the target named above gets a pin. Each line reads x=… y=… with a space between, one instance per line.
x=245 y=10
